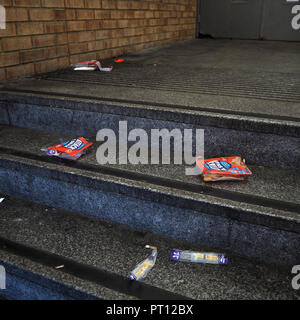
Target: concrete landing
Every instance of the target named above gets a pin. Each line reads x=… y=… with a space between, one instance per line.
x=259 y=78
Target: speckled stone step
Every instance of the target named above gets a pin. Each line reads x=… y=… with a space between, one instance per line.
x=99 y=255
x=262 y=138
x=258 y=218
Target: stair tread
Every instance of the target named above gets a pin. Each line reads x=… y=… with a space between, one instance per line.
x=59 y=285
x=274 y=193
x=282 y=120
x=205 y=84
x=116 y=248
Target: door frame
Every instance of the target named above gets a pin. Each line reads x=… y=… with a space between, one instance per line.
x=198 y=6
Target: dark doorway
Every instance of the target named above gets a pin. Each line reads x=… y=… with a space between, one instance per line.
x=250 y=19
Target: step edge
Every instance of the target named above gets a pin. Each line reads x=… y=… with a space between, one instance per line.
x=229 y=211
x=204 y=117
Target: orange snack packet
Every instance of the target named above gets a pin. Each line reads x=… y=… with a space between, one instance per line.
x=72 y=148
x=224 y=168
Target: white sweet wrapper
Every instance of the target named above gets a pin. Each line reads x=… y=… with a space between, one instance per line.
x=91 y=66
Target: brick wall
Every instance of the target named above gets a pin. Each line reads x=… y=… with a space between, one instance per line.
x=44 y=35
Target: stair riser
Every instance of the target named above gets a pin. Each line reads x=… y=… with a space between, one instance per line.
x=22 y=284
x=249 y=240
x=259 y=148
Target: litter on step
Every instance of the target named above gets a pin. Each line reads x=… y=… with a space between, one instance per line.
x=224 y=168
x=143 y=268
x=198 y=257
x=72 y=149
x=1 y=199
x=91 y=66
x=119 y=60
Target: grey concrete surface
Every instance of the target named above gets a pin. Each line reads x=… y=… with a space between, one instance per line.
x=246 y=76
x=254 y=241
x=24 y=284
x=270 y=183
x=257 y=148
x=219 y=118
x=259 y=231
x=244 y=89
x=258 y=117
x=118 y=249
x=29 y=280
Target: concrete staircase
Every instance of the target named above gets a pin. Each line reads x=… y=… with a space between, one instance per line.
x=96 y=219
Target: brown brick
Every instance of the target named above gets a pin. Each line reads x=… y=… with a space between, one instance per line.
x=91 y=46
x=44 y=40
x=38 y=54
x=71 y=14
x=10 y=30
x=62 y=38
x=29 y=28
x=117 y=33
x=46 y=66
x=111 y=43
x=6 y=3
x=103 y=34
x=126 y=23
x=27 y=3
x=103 y=14
x=87 y=56
x=55 y=27
x=74 y=59
x=75 y=3
x=153 y=6
x=99 y=45
x=2 y=75
x=76 y=25
x=94 y=25
x=85 y=36
x=78 y=47
x=20 y=71
x=139 y=14
x=149 y=14
x=42 y=14
x=110 y=24
x=105 y=54
x=122 y=4
x=62 y=51
x=130 y=32
x=85 y=14
x=119 y=14
x=63 y=62
x=139 y=5
x=53 y=3
x=93 y=4
x=9 y=59
x=50 y=52
x=60 y=14
x=109 y=4
x=72 y=37
x=16 y=43
x=32 y=55
x=16 y=14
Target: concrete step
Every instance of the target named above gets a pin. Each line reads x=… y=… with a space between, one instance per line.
x=258 y=218
x=266 y=139
x=98 y=256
